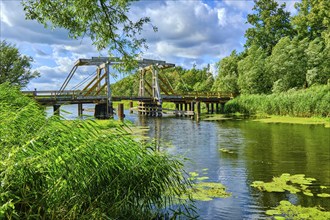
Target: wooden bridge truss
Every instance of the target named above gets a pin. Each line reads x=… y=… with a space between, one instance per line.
x=154 y=89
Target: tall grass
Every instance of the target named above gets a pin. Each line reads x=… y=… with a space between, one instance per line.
x=314 y=101
x=52 y=169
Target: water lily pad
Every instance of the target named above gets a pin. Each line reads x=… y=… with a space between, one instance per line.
x=206 y=191
x=193 y=174
x=273 y=212
x=225 y=150
x=286 y=182
x=286 y=210
x=324 y=195
x=202 y=178
x=308 y=193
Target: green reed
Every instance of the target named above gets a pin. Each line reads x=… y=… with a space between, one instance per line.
x=314 y=101
x=55 y=169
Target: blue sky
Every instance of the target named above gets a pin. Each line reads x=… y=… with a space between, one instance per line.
x=189 y=32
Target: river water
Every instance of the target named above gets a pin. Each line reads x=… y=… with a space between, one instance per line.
x=260 y=152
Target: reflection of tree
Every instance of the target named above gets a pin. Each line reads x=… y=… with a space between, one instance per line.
x=154 y=132
x=273 y=149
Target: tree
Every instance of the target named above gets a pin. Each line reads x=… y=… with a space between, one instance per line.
x=226 y=81
x=14 y=67
x=252 y=77
x=313 y=18
x=106 y=22
x=287 y=65
x=317 y=61
x=270 y=23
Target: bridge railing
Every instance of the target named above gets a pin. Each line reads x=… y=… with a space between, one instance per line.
x=54 y=94
x=207 y=94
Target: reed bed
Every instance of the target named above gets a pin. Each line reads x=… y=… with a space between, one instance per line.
x=311 y=102
x=52 y=169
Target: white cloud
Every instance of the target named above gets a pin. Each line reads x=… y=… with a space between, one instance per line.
x=188 y=32
x=191 y=30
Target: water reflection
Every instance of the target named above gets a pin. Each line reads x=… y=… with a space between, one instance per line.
x=260 y=152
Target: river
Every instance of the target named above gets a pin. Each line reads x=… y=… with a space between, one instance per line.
x=260 y=151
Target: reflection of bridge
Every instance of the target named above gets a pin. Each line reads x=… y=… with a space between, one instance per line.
x=154 y=90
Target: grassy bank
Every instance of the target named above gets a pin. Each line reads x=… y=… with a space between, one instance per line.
x=52 y=169
x=311 y=102
x=294 y=120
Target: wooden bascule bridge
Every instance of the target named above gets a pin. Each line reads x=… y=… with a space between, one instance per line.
x=154 y=90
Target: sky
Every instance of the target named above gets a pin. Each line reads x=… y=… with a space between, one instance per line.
x=190 y=33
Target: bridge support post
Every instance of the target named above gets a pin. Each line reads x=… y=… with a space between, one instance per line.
x=212 y=108
x=56 y=109
x=217 y=110
x=222 y=109
x=177 y=107
x=102 y=111
x=131 y=107
x=207 y=108
x=198 y=106
x=185 y=106
x=80 y=109
x=120 y=112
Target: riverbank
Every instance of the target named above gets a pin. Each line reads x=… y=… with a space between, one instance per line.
x=311 y=102
x=271 y=119
x=294 y=120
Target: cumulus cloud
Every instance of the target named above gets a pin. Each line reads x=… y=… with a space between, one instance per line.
x=189 y=32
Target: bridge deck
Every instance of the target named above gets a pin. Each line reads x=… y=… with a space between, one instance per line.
x=77 y=97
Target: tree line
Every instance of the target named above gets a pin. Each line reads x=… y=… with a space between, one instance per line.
x=282 y=52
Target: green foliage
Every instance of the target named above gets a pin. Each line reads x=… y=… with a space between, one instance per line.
x=270 y=23
x=313 y=18
x=286 y=210
x=105 y=22
x=15 y=109
x=55 y=169
x=314 y=101
x=252 y=77
x=318 y=67
x=14 y=67
x=226 y=80
x=181 y=80
x=282 y=52
x=128 y=86
x=287 y=64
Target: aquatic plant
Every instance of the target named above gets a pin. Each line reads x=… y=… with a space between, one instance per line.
x=286 y=182
x=313 y=101
x=225 y=150
x=204 y=191
x=286 y=210
x=292 y=183
x=55 y=169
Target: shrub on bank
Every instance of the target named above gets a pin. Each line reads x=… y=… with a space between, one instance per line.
x=314 y=101
x=55 y=169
